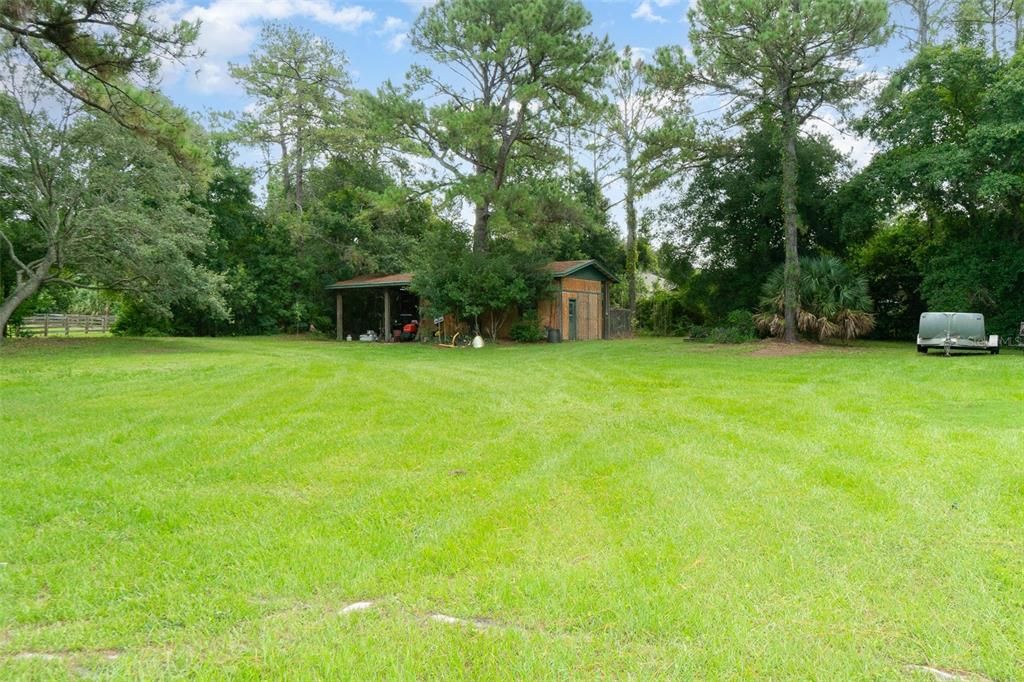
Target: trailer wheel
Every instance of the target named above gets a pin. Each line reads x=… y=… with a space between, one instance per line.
x=922 y=349
x=994 y=351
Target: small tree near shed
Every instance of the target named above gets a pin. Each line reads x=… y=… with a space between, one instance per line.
x=478 y=287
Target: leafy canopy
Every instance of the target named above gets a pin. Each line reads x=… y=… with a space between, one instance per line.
x=96 y=206
x=300 y=85
x=725 y=216
x=949 y=131
x=774 y=52
x=514 y=77
x=108 y=54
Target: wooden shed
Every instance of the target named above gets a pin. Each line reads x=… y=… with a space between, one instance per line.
x=578 y=308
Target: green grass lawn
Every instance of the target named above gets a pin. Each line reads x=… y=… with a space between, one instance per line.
x=645 y=509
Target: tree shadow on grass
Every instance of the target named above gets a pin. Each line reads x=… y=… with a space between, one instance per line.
x=103 y=345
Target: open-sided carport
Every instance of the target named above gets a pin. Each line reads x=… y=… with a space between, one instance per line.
x=374 y=302
x=576 y=310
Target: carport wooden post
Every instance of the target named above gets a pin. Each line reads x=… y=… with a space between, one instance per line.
x=387 y=315
x=339 y=310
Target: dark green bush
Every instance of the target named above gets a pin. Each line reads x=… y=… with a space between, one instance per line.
x=667 y=313
x=729 y=335
x=699 y=332
x=739 y=328
x=528 y=329
x=138 y=320
x=743 y=322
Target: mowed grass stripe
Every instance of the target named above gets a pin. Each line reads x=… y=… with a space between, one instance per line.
x=648 y=509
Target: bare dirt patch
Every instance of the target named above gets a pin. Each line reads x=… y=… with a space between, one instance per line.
x=357 y=606
x=948 y=675
x=477 y=623
x=773 y=348
x=108 y=654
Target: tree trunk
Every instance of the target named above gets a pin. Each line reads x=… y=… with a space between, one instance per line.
x=631 y=248
x=481 y=231
x=923 y=38
x=286 y=172
x=22 y=291
x=299 y=172
x=1018 y=25
x=494 y=324
x=995 y=31
x=791 y=218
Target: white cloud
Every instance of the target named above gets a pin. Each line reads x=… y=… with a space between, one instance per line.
x=396 y=29
x=229 y=27
x=859 y=149
x=391 y=25
x=212 y=77
x=396 y=42
x=168 y=13
x=646 y=12
x=418 y=5
x=666 y=3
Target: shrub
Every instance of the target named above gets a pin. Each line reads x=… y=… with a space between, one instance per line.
x=666 y=313
x=528 y=329
x=454 y=279
x=699 y=332
x=738 y=328
x=730 y=335
x=733 y=334
x=138 y=320
x=834 y=302
x=742 y=321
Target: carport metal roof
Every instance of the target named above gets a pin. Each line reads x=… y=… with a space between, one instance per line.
x=402 y=279
x=562 y=268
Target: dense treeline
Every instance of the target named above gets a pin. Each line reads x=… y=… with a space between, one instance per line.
x=113 y=198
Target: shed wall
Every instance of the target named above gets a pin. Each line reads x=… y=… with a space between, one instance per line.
x=547 y=312
x=589 y=308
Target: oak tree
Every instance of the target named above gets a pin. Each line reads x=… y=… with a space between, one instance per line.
x=94 y=206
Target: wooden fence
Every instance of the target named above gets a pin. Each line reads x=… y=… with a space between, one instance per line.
x=620 y=323
x=51 y=324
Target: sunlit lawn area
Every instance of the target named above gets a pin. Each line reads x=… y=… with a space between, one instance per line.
x=645 y=509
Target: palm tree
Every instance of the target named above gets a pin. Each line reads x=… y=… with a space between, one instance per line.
x=834 y=302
